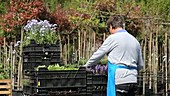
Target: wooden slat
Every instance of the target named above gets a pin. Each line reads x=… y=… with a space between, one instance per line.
x=5 y=81
x=5 y=86
x=5 y=92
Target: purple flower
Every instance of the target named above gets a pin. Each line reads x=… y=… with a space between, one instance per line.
x=35 y=29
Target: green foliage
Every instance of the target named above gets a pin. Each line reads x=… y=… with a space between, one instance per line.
x=41 y=66
x=4 y=72
x=54 y=67
x=26 y=82
x=2 y=7
x=104 y=61
x=58 y=67
x=82 y=61
x=156 y=8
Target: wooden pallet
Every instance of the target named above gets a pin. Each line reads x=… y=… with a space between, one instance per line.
x=6 y=87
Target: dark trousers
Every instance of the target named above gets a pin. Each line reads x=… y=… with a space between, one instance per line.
x=128 y=89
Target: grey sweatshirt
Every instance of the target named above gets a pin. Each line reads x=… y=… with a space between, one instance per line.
x=121 y=48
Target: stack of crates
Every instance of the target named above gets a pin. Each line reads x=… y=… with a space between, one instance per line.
x=35 y=55
x=58 y=83
x=66 y=83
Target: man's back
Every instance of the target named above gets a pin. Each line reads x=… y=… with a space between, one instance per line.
x=125 y=51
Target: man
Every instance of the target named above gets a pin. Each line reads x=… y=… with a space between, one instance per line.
x=124 y=59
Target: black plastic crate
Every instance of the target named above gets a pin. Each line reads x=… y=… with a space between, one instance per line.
x=59 y=83
x=55 y=91
x=32 y=63
x=32 y=58
x=30 y=66
x=99 y=93
x=41 y=47
x=99 y=79
x=96 y=84
x=64 y=78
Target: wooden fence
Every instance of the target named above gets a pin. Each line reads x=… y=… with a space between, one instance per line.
x=10 y=57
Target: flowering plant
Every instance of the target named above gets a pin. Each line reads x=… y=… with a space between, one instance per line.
x=41 y=31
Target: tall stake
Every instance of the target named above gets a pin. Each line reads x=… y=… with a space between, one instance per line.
x=150 y=57
x=68 y=48
x=166 y=63
x=144 y=57
x=79 y=45
x=156 y=61
x=4 y=52
x=84 y=45
x=169 y=58
x=20 y=62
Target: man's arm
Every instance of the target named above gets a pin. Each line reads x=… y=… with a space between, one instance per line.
x=106 y=47
x=96 y=57
x=140 y=60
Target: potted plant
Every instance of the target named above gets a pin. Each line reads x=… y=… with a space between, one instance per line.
x=41 y=31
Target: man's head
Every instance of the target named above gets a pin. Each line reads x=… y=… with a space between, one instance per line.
x=115 y=23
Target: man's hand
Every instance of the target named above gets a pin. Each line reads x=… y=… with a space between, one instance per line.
x=88 y=68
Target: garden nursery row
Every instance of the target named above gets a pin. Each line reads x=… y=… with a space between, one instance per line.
x=45 y=75
x=58 y=80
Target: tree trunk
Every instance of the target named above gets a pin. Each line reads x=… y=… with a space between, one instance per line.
x=94 y=40
x=150 y=57
x=104 y=36
x=154 y=67
x=79 y=45
x=13 y=69
x=84 y=45
x=20 y=63
x=68 y=48
x=4 y=52
x=65 y=53
x=166 y=64
x=144 y=69
x=88 y=46
x=61 y=48
x=169 y=58
x=156 y=60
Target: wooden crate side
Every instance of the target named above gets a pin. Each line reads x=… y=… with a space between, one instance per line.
x=6 y=87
